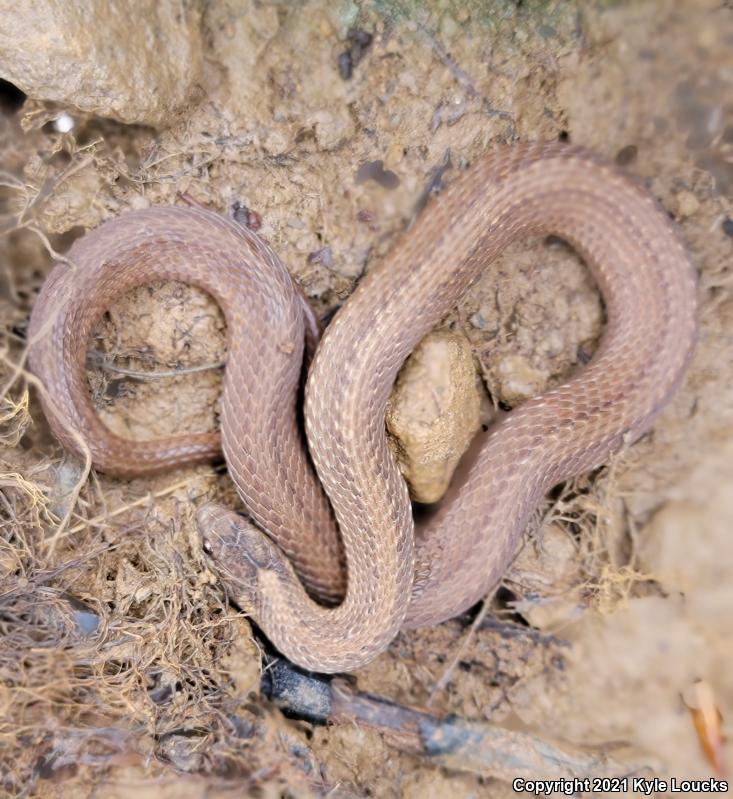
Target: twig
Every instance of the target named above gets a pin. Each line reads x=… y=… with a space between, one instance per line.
x=471 y=746
x=102 y=363
x=480 y=616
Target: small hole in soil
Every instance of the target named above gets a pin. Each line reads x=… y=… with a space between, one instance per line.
x=504 y=600
x=374 y=170
x=11 y=97
x=627 y=155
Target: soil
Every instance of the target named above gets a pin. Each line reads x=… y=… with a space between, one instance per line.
x=125 y=670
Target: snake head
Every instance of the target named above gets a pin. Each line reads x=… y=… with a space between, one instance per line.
x=240 y=551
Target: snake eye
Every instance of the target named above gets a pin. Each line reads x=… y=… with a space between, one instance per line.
x=206 y=544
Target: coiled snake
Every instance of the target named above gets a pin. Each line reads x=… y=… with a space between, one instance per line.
x=354 y=509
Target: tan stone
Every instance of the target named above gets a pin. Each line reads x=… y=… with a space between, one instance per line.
x=518 y=380
x=687 y=204
x=130 y=60
x=434 y=413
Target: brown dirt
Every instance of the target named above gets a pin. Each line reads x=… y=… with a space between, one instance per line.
x=124 y=671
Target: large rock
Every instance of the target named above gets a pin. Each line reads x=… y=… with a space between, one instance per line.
x=434 y=413
x=132 y=60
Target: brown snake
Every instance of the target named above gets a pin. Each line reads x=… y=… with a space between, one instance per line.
x=357 y=509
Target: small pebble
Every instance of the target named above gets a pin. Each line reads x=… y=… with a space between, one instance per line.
x=324 y=256
x=86 y=621
x=246 y=216
x=547 y=31
x=687 y=204
x=518 y=380
x=64 y=123
x=346 y=66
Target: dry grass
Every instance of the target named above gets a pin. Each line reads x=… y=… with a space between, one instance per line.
x=113 y=644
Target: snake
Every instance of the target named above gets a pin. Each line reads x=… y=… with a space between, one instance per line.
x=328 y=560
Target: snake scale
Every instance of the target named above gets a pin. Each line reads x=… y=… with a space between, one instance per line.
x=335 y=510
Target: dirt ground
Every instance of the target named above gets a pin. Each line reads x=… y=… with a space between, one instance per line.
x=124 y=671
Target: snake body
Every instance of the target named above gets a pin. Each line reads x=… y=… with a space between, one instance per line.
x=344 y=533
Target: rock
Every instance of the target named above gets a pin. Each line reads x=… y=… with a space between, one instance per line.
x=518 y=380
x=687 y=204
x=134 y=61
x=62 y=491
x=434 y=413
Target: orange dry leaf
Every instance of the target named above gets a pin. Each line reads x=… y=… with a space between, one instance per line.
x=708 y=724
